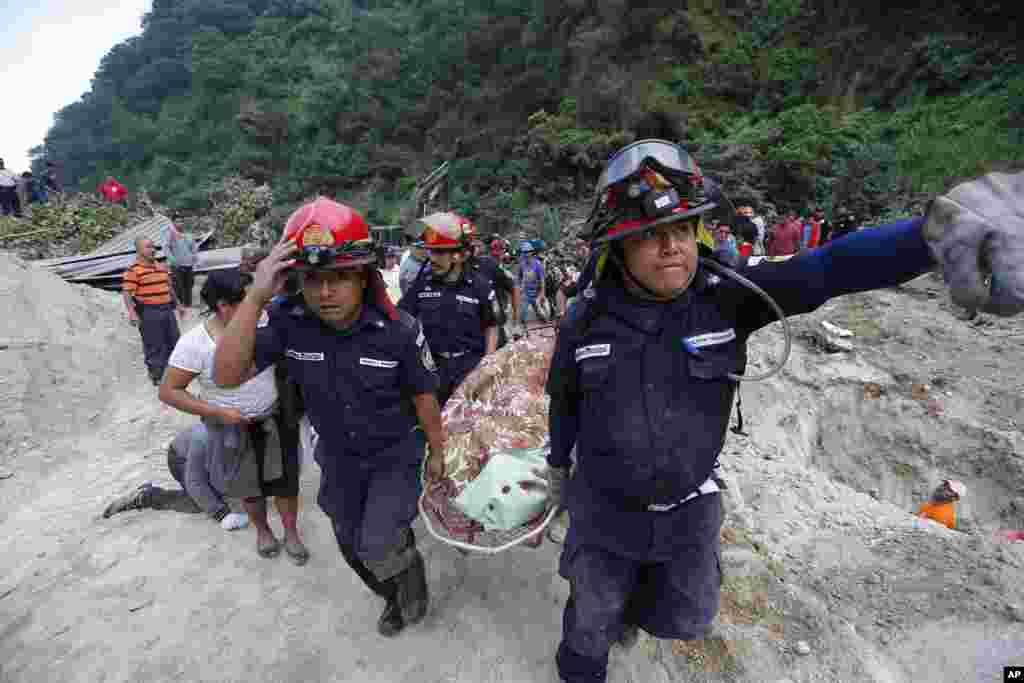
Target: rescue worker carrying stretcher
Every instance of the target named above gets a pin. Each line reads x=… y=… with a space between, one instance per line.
x=369 y=384
x=456 y=304
x=644 y=373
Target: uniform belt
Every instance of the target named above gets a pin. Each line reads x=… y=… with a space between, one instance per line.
x=451 y=354
x=709 y=486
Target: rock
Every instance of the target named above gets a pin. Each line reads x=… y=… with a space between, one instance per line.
x=802 y=648
x=1016 y=611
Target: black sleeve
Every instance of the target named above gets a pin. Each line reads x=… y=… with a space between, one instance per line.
x=562 y=383
x=488 y=305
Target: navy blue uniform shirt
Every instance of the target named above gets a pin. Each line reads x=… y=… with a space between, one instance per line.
x=501 y=281
x=644 y=394
x=454 y=315
x=358 y=384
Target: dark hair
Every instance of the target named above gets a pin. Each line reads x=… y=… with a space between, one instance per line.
x=224 y=287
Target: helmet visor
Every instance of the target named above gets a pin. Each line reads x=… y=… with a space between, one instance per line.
x=631 y=158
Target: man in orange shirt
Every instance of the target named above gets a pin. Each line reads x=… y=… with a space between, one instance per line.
x=942 y=506
x=151 y=304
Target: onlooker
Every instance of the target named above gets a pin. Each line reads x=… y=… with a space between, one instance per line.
x=53 y=176
x=786 y=237
x=825 y=226
x=24 y=190
x=942 y=506
x=846 y=223
x=8 y=192
x=725 y=241
x=151 y=303
x=412 y=265
x=569 y=289
x=248 y=434
x=531 y=284
x=502 y=282
x=811 y=235
x=759 y=243
x=202 y=486
x=113 y=191
x=180 y=250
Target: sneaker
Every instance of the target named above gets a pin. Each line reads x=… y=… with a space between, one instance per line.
x=136 y=500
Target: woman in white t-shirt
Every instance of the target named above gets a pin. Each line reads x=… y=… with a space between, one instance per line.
x=246 y=406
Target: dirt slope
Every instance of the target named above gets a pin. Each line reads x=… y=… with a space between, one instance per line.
x=822 y=581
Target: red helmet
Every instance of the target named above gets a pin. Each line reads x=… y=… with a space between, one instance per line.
x=497 y=248
x=329 y=235
x=447 y=230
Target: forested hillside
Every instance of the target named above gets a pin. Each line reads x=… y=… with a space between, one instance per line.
x=792 y=101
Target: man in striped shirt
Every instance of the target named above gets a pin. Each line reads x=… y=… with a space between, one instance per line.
x=151 y=304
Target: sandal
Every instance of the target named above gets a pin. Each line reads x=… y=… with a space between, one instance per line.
x=269 y=550
x=296 y=552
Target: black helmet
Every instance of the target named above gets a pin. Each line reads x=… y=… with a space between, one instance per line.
x=648 y=183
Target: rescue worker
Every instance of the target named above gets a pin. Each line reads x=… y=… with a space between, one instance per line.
x=531 y=283
x=501 y=281
x=412 y=265
x=456 y=304
x=368 y=384
x=942 y=506
x=642 y=380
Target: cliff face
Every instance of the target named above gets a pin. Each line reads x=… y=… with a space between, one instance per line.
x=661 y=68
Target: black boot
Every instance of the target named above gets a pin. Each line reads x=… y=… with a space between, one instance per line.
x=391 y=622
x=412 y=593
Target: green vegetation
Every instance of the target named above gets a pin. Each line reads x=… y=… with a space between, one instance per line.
x=560 y=129
x=90 y=224
x=299 y=94
x=294 y=91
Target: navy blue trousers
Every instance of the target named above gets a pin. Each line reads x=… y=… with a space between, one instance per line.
x=158 y=326
x=371 y=507
x=675 y=598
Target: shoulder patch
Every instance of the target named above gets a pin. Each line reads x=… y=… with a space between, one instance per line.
x=593 y=351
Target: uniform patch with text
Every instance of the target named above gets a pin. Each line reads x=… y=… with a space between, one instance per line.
x=300 y=355
x=374 y=363
x=710 y=339
x=593 y=351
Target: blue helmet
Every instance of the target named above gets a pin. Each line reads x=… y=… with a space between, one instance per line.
x=525 y=247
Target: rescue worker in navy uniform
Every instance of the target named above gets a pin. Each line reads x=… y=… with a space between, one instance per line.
x=640 y=385
x=501 y=281
x=455 y=304
x=368 y=384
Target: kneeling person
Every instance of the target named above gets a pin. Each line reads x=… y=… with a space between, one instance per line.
x=198 y=492
x=366 y=377
x=248 y=440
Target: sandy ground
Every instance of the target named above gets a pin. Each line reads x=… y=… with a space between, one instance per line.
x=827 y=576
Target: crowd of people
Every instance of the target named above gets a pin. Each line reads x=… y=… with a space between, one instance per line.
x=18 y=191
x=649 y=351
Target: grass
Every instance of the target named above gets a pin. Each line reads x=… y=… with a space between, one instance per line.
x=904 y=471
x=713 y=655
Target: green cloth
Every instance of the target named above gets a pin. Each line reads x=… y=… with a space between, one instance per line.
x=495 y=498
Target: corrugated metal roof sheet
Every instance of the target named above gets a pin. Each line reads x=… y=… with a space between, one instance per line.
x=126 y=240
